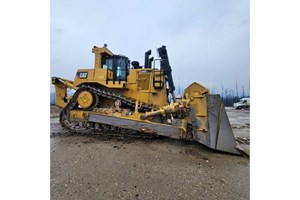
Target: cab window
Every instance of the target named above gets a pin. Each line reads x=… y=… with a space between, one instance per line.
x=121 y=69
x=118 y=65
x=107 y=63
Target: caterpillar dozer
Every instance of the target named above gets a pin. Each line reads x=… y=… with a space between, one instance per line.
x=117 y=97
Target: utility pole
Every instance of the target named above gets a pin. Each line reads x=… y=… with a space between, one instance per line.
x=222 y=92
x=226 y=94
x=243 y=92
x=236 y=89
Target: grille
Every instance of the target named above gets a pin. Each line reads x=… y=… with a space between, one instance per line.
x=143 y=81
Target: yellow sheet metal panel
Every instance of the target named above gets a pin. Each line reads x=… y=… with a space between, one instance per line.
x=200 y=104
x=61 y=86
x=196 y=89
x=140 y=86
x=60 y=94
x=101 y=75
x=79 y=115
x=143 y=81
x=131 y=78
x=83 y=76
x=114 y=85
x=196 y=93
x=98 y=55
x=203 y=123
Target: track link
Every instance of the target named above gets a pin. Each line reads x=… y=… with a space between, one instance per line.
x=84 y=128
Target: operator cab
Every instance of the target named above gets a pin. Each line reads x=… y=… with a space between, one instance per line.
x=118 y=64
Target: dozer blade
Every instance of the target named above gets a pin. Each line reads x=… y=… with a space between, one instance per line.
x=219 y=133
x=209 y=120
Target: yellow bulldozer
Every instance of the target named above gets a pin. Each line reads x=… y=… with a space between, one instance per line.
x=117 y=97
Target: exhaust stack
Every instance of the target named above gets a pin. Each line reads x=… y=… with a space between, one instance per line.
x=147 y=61
x=167 y=70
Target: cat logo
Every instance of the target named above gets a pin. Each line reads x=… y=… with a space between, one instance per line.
x=82 y=75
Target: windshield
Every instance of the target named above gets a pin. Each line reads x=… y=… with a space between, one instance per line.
x=119 y=65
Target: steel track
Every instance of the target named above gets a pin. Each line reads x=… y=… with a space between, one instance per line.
x=83 y=128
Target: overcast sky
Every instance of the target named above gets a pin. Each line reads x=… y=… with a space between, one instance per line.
x=207 y=40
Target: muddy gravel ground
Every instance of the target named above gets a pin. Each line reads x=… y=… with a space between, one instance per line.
x=98 y=167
